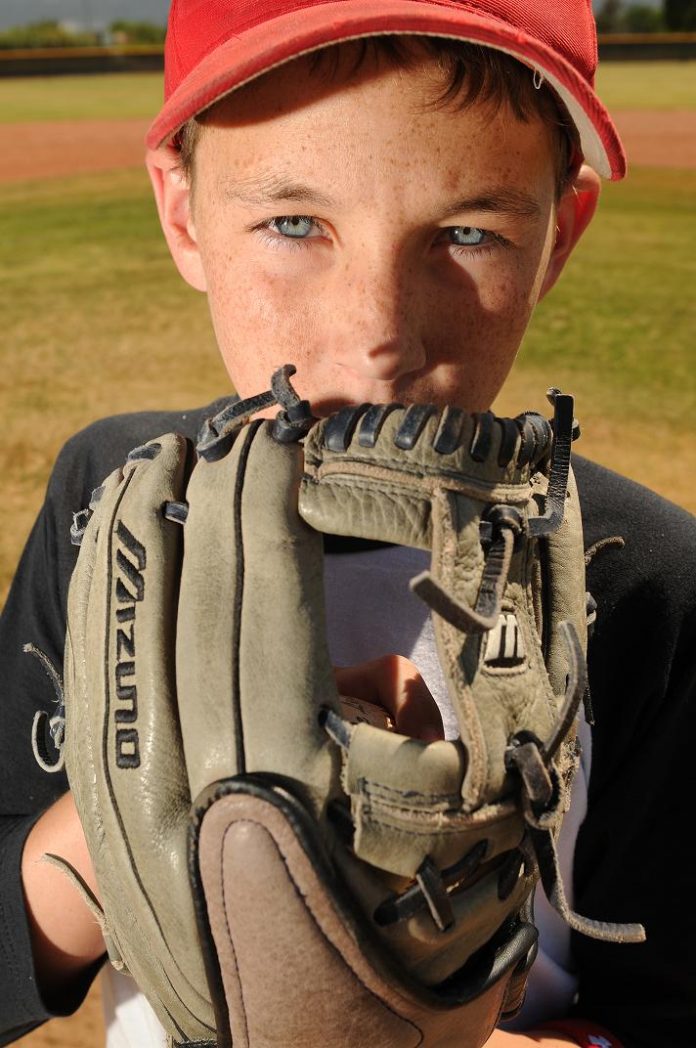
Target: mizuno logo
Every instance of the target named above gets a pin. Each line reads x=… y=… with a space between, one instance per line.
x=131 y=561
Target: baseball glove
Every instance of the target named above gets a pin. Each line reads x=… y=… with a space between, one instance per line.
x=271 y=873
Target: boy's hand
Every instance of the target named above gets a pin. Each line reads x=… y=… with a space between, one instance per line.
x=394 y=683
x=500 y=1039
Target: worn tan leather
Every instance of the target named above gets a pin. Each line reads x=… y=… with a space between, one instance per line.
x=197 y=654
x=120 y=641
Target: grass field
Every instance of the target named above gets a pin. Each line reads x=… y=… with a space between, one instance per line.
x=108 y=97
x=647 y=85
x=622 y=85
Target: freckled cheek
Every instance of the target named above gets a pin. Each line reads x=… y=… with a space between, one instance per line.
x=260 y=323
x=507 y=300
x=237 y=290
x=499 y=311
x=484 y=336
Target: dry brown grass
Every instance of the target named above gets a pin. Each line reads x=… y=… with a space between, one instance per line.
x=661 y=457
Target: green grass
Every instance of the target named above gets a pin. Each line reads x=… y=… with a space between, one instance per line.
x=620 y=325
x=622 y=85
x=647 y=85
x=109 y=96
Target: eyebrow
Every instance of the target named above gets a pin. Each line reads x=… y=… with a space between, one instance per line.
x=262 y=192
x=503 y=201
x=272 y=190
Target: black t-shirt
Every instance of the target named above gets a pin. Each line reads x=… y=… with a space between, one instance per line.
x=631 y=859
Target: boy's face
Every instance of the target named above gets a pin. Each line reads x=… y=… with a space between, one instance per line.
x=390 y=249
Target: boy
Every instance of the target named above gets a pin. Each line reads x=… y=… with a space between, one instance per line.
x=386 y=215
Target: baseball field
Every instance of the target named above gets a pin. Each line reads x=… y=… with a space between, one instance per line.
x=96 y=320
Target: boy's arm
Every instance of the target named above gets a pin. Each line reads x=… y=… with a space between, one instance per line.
x=33 y=613
x=632 y=850
x=500 y=1039
x=66 y=939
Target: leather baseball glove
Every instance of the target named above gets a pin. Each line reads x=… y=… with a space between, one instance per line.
x=271 y=873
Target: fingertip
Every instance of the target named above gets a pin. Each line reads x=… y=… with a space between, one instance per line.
x=432 y=735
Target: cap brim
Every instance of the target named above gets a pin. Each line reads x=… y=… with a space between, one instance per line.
x=269 y=45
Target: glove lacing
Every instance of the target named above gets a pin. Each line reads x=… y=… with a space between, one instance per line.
x=290 y=424
x=44 y=725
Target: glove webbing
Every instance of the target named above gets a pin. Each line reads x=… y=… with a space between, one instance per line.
x=532 y=760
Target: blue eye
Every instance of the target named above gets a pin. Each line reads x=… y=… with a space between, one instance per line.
x=466 y=236
x=298 y=227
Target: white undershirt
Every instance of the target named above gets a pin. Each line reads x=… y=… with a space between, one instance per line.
x=371 y=612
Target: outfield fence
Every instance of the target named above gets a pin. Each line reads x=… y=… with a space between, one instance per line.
x=640 y=47
x=150 y=58
x=55 y=61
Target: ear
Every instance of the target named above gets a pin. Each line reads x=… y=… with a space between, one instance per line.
x=174 y=203
x=573 y=215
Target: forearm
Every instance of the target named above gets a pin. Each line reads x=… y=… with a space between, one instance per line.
x=549 y=1039
x=66 y=938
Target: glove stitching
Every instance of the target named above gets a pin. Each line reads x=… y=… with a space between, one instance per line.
x=229 y=936
x=391 y=823
x=368 y=816
x=338 y=473
x=478 y=817
x=373 y=786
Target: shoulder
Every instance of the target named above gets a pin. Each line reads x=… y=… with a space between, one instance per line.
x=659 y=540
x=92 y=453
x=642 y=671
x=89 y=456
x=610 y=499
x=641 y=656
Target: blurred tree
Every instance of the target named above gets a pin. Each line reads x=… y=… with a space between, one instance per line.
x=44 y=34
x=643 y=19
x=680 y=15
x=610 y=16
x=125 y=32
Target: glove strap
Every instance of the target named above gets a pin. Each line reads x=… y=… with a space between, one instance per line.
x=48 y=733
x=291 y=423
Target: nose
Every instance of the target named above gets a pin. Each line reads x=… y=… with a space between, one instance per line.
x=378 y=337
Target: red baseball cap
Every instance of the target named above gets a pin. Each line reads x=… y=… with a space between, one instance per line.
x=215 y=46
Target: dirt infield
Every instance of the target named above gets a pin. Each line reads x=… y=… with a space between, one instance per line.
x=40 y=150
x=652 y=139
x=54 y=150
